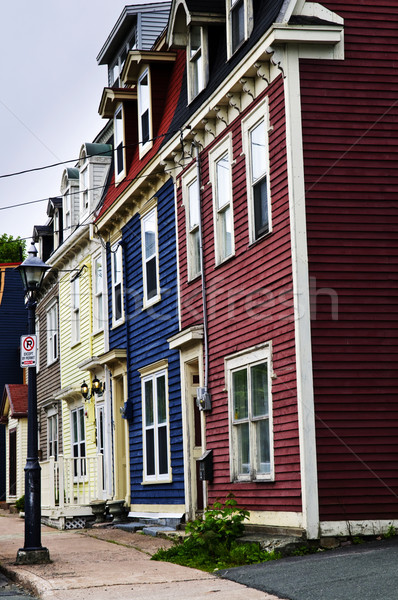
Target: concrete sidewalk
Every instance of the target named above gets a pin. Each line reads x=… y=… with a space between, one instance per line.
x=109 y=564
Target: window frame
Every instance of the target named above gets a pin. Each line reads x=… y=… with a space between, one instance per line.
x=75 y=310
x=79 y=467
x=153 y=374
x=197 y=63
x=52 y=333
x=248 y=359
x=98 y=293
x=144 y=146
x=232 y=7
x=84 y=190
x=216 y=154
x=147 y=302
x=249 y=123
x=117 y=255
x=119 y=151
x=189 y=179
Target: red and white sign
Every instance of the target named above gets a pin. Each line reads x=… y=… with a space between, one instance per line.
x=28 y=350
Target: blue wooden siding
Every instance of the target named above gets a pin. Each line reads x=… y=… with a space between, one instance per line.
x=13 y=324
x=145 y=334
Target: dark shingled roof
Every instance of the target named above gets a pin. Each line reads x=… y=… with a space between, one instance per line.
x=17 y=394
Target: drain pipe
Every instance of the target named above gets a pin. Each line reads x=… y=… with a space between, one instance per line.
x=203 y=396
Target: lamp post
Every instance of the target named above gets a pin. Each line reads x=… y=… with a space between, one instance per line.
x=32 y=272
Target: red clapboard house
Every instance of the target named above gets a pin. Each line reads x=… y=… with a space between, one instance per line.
x=285 y=184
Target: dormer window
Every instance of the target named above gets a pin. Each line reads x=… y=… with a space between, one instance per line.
x=71 y=199
x=84 y=189
x=94 y=163
x=116 y=67
x=198 y=64
x=68 y=211
x=144 y=110
x=118 y=134
x=239 y=23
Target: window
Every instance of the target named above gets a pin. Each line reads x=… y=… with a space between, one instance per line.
x=198 y=64
x=144 y=110
x=192 y=204
x=84 y=189
x=255 y=144
x=150 y=257
x=116 y=68
x=117 y=284
x=52 y=334
x=98 y=291
x=220 y=173
x=239 y=23
x=52 y=436
x=250 y=415
x=75 y=298
x=156 y=427
x=67 y=212
x=78 y=442
x=118 y=145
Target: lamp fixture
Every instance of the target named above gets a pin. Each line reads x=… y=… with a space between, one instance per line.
x=32 y=270
x=97 y=388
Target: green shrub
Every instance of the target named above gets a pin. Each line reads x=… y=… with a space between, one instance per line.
x=20 y=504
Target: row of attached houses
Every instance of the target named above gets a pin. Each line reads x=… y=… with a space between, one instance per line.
x=220 y=314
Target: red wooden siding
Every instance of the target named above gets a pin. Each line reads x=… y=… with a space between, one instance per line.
x=249 y=302
x=350 y=127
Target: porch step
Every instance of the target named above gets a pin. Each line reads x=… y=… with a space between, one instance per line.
x=147 y=529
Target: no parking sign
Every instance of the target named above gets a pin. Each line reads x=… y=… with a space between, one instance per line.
x=28 y=350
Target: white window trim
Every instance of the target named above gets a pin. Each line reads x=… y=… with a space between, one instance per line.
x=147 y=374
x=187 y=180
x=98 y=323
x=247 y=358
x=53 y=412
x=75 y=312
x=204 y=51
x=143 y=148
x=122 y=174
x=248 y=25
x=260 y=113
x=50 y=333
x=117 y=247
x=85 y=169
x=80 y=476
x=215 y=155
x=147 y=302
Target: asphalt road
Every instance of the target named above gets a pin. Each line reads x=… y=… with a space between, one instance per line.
x=363 y=572
x=10 y=591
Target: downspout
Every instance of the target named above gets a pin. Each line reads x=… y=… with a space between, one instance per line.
x=204 y=399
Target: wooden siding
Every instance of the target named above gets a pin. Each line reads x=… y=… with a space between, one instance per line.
x=48 y=377
x=249 y=302
x=13 y=324
x=145 y=334
x=350 y=128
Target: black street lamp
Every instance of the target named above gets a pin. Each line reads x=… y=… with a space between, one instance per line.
x=32 y=271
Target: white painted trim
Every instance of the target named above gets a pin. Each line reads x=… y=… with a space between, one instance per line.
x=276 y=518
x=143 y=511
x=354 y=527
x=301 y=293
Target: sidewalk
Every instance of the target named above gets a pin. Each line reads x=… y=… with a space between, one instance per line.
x=109 y=564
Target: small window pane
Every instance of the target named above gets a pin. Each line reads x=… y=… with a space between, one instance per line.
x=193 y=196
x=240 y=398
x=238 y=23
x=223 y=181
x=163 y=458
x=226 y=232
x=150 y=235
x=161 y=394
x=259 y=382
x=243 y=448
x=151 y=282
x=258 y=155
x=150 y=452
x=149 y=416
x=263 y=446
x=260 y=207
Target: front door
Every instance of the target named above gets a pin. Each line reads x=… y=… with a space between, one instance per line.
x=100 y=416
x=195 y=447
x=12 y=480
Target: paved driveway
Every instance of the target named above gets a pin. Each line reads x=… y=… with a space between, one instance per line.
x=364 y=572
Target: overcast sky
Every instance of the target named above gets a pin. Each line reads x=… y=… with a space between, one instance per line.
x=49 y=97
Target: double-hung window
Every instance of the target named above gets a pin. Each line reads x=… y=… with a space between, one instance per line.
x=191 y=198
x=117 y=284
x=220 y=172
x=98 y=293
x=78 y=442
x=249 y=386
x=198 y=63
x=144 y=110
x=239 y=23
x=118 y=145
x=156 y=427
x=75 y=303
x=52 y=435
x=255 y=144
x=52 y=334
x=150 y=257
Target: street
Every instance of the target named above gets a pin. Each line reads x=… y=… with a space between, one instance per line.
x=11 y=591
x=361 y=572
